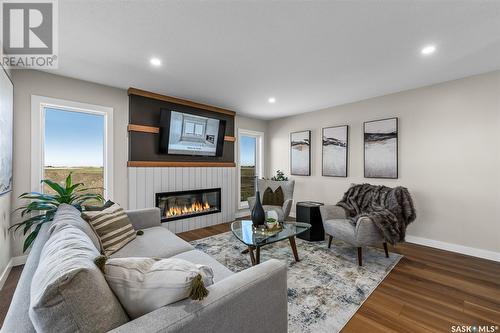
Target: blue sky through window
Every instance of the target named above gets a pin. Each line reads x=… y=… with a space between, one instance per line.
x=247 y=150
x=73 y=138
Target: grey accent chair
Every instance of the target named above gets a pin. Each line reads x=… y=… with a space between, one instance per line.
x=287 y=187
x=363 y=233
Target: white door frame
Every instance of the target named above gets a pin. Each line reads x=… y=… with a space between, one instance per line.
x=259 y=159
x=38 y=105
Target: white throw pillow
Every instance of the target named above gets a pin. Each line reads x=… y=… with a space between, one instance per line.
x=146 y=284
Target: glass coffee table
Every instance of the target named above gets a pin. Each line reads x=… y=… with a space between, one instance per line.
x=256 y=239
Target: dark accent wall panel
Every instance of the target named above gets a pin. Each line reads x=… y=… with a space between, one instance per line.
x=144 y=146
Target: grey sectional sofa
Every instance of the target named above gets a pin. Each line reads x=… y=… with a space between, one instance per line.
x=253 y=300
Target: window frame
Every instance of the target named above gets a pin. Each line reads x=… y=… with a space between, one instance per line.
x=38 y=106
x=259 y=159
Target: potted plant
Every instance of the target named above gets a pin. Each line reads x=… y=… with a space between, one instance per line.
x=271 y=223
x=280 y=176
x=44 y=206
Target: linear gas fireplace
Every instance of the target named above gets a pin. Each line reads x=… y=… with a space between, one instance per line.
x=183 y=204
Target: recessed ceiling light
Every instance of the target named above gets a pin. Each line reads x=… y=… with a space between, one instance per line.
x=271 y=100
x=155 y=62
x=429 y=49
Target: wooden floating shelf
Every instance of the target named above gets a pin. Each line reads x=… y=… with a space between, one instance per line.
x=150 y=164
x=156 y=130
x=143 y=129
x=170 y=99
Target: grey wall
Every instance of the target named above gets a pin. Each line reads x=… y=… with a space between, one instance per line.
x=27 y=83
x=449 y=156
x=5 y=209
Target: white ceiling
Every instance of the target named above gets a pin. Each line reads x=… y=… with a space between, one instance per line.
x=308 y=54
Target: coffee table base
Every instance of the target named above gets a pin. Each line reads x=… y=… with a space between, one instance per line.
x=255 y=258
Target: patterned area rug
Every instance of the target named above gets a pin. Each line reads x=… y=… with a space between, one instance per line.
x=325 y=288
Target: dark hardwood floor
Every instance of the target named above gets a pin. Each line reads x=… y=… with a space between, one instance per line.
x=429 y=290
x=8 y=290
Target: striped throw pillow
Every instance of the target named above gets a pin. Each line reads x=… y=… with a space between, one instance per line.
x=112 y=226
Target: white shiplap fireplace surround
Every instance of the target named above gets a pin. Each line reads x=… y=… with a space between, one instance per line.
x=144 y=182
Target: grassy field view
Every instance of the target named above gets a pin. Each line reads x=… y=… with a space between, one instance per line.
x=247 y=182
x=94 y=177
x=90 y=176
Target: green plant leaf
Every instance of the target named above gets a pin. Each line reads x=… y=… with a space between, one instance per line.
x=55 y=186
x=47 y=204
x=72 y=188
x=89 y=188
x=68 y=181
x=31 y=237
x=38 y=206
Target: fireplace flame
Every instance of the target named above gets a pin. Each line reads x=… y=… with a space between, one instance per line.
x=195 y=207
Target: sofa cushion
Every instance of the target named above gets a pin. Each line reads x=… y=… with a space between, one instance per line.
x=145 y=284
x=155 y=242
x=113 y=227
x=68 y=291
x=201 y=258
x=68 y=216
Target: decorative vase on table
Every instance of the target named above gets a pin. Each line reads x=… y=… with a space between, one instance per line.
x=258 y=214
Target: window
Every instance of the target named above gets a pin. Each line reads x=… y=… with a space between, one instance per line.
x=71 y=137
x=84 y=157
x=250 y=161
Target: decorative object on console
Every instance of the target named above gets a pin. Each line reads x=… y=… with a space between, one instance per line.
x=287 y=188
x=258 y=214
x=368 y=215
x=381 y=148
x=335 y=145
x=280 y=176
x=112 y=226
x=300 y=153
x=145 y=284
x=6 y=131
x=46 y=205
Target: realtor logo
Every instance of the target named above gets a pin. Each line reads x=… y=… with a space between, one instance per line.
x=29 y=34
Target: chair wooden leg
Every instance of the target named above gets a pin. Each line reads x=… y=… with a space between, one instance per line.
x=386 y=250
x=330 y=238
x=360 y=256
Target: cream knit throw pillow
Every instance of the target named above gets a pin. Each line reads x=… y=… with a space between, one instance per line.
x=145 y=284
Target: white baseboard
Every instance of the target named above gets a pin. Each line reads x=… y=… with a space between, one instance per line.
x=470 y=251
x=14 y=261
x=5 y=273
x=19 y=260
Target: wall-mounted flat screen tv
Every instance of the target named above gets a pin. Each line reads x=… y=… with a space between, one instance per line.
x=188 y=134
